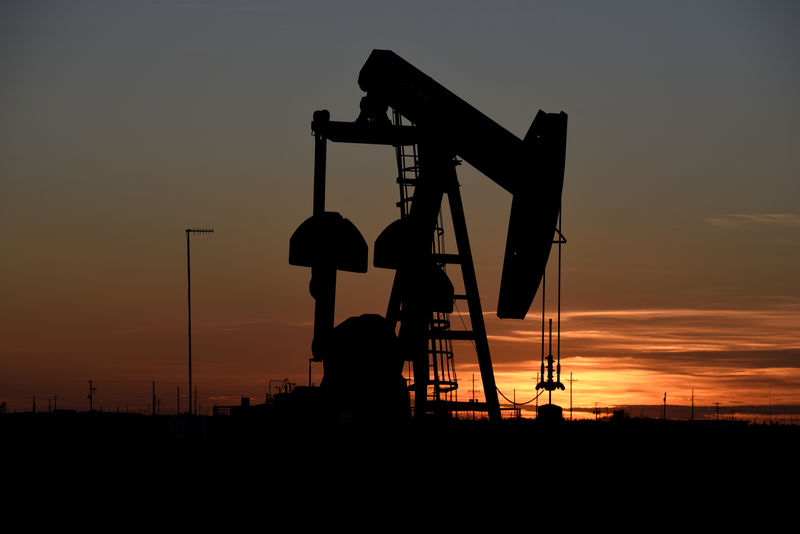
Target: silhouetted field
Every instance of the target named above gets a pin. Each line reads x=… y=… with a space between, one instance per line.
x=253 y=456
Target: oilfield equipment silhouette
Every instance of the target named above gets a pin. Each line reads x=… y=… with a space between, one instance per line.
x=430 y=128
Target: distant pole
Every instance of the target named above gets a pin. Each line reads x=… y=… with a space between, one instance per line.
x=154 y=398
x=189 y=310
x=770 y=403
x=717 y=411
x=473 y=396
x=595 y=410
x=664 y=415
x=515 y=401
x=92 y=389
x=179 y=400
x=571 y=380
x=473 y=387
x=190 y=231
x=550 y=363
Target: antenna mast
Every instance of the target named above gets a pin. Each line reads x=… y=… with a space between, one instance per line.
x=190 y=231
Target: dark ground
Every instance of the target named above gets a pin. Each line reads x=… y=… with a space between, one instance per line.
x=255 y=457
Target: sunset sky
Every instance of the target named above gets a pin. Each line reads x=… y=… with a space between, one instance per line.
x=123 y=123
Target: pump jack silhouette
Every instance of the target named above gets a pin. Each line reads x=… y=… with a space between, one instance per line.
x=368 y=350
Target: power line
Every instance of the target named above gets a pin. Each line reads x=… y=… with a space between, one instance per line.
x=519 y=403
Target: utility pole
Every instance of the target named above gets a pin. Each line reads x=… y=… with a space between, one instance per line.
x=92 y=389
x=515 y=403
x=473 y=396
x=190 y=231
x=717 y=405
x=664 y=415
x=154 y=398
x=571 y=380
x=473 y=387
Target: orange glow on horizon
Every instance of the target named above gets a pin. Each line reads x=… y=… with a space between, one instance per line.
x=633 y=356
x=617 y=357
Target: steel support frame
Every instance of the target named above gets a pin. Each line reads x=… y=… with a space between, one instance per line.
x=437 y=177
x=323 y=277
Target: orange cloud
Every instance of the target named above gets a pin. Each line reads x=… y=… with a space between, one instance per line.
x=632 y=356
x=738 y=220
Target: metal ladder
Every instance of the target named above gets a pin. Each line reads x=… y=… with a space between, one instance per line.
x=442 y=372
x=407 y=170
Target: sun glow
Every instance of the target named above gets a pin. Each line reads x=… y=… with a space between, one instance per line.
x=634 y=356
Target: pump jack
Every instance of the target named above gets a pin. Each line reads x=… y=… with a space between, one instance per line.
x=367 y=350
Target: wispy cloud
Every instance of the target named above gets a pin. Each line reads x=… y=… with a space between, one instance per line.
x=249 y=323
x=630 y=356
x=632 y=380
x=741 y=220
x=669 y=330
x=232 y=325
x=241 y=5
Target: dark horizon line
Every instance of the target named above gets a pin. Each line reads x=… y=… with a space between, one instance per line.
x=775 y=409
